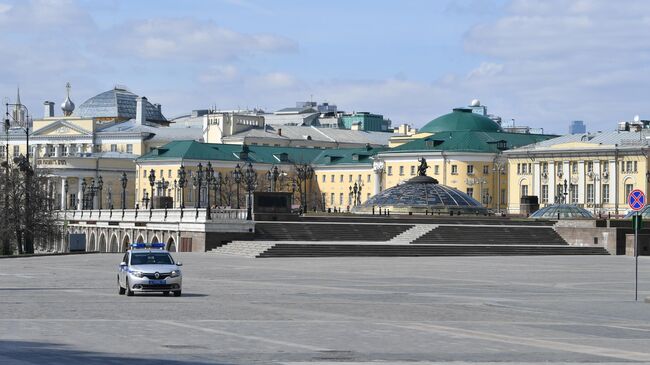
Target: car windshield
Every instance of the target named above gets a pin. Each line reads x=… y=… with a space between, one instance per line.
x=151 y=258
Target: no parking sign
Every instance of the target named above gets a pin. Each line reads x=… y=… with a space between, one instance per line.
x=636 y=200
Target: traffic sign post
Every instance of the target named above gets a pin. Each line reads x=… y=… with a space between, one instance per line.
x=636 y=200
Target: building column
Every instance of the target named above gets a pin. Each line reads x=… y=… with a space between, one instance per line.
x=613 y=183
x=598 y=178
x=536 y=180
x=79 y=194
x=551 y=182
x=57 y=150
x=582 y=199
x=64 y=198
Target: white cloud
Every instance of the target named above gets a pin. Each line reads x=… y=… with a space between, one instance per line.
x=188 y=39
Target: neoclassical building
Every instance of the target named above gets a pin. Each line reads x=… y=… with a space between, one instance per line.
x=464 y=150
x=593 y=171
x=99 y=139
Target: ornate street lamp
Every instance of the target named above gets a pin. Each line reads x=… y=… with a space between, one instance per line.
x=237 y=176
x=272 y=175
x=109 y=198
x=216 y=185
x=83 y=194
x=152 y=181
x=65 y=192
x=197 y=181
x=100 y=187
x=124 y=180
x=250 y=181
x=209 y=180
x=181 y=184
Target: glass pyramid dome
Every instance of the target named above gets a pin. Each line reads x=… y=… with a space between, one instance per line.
x=565 y=211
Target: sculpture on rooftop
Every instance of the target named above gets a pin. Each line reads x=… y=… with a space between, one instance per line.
x=422 y=169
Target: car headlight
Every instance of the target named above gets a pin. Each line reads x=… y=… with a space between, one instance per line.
x=175 y=273
x=137 y=274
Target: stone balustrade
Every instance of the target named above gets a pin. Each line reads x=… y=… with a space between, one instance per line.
x=176 y=215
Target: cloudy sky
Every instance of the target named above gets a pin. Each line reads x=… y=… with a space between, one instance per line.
x=542 y=63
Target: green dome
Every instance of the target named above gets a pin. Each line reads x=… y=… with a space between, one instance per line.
x=461 y=119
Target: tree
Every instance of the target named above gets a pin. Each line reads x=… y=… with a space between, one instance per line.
x=28 y=216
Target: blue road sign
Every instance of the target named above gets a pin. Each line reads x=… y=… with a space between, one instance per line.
x=636 y=199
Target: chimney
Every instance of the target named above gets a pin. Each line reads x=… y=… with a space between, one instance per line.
x=279 y=131
x=139 y=110
x=48 y=111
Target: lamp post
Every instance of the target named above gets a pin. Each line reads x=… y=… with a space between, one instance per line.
x=237 y=176
x=29 y=244
x=272 y=175
x=65 y=192
x=250 y=181
x=197 y=182
x=152 y=181
x=499 y=168
x=109 y=198
x=100 y=187
x=6 y=243
x=83 y=194
x=216 y=185
x=305 y=173
x=124 y=180
x=181 y=184
x=209 y=181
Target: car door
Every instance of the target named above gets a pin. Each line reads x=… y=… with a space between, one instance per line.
x=124 y=269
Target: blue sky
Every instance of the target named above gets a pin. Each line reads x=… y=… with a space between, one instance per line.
x=542 y=63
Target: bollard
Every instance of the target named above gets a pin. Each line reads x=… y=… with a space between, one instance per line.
x=373 y=210
x=451 y=213
x=558 y=215
x=387 y=211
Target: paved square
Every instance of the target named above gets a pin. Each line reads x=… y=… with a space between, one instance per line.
x=66 y=310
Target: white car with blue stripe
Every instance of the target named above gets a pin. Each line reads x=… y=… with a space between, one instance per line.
x=149 y=268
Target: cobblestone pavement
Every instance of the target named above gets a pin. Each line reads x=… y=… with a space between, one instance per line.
x=474 y=310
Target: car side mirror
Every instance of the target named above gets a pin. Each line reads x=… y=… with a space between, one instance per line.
x=122 y=263
x=179 y=264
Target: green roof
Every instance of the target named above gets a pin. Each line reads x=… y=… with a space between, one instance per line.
x=461 y=119
x=192 y=150
x=470 y=141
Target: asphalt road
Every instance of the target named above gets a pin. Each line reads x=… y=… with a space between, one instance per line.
x=66 y=310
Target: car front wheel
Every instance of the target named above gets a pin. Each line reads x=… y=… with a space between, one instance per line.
x=129 y=292
x=120 y=290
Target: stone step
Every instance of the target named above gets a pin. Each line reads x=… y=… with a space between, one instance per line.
x=243 y=248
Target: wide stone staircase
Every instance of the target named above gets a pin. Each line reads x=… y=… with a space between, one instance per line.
x=289 y=231
x=491 y=235
x=353 y=250
x=359 y=239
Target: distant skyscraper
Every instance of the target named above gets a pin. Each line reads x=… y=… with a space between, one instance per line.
x=577 y=127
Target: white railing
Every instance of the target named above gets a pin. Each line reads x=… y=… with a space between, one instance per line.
x=187 y=215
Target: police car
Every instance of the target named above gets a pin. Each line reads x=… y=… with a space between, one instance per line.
x=149 y=268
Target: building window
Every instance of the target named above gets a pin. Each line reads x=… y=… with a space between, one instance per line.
x=590 y=193
x=401 y=171
x=545 y=168
x=169 y=174
x=16 y=150
x=412 y=170
x=368 y=177
x=605 y=193
x=573 y=193
x=454 y=169
x=341 y=178
x=524 y=190
x=590 y=166
x=486 y=169
x=628 y=190
x=544 y=193
x=504 y=197
x=113 y=148
x=559 y=168
x=390 y=170
x=574 y=167
x=144 y=173
x=332 y=199
x=635 y=166
x=605 y=166
x=350 y=178
x=518 y=169
x=470 y=169
x=436 y=169
x=485 y=196
x=470 y=192
x=341 y=199
x=332 y=179
x=323 y=178
x=129 y=148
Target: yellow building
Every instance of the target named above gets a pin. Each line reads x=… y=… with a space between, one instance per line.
x=594 y=171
